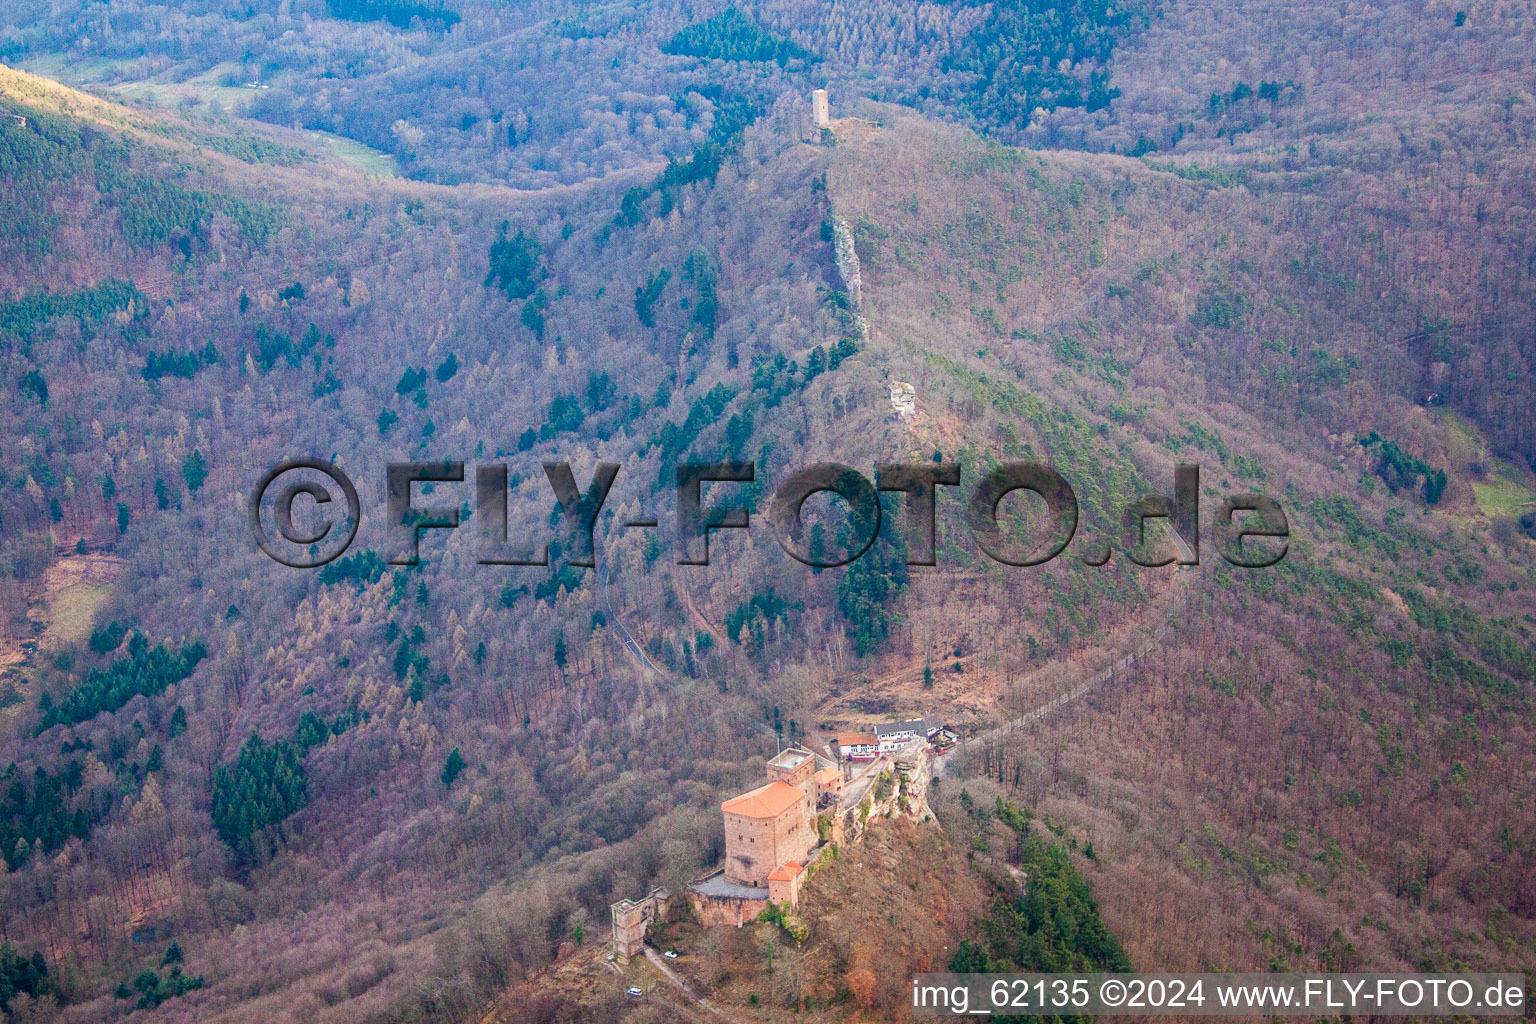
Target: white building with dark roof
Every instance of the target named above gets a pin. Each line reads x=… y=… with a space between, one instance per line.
x=892 y=736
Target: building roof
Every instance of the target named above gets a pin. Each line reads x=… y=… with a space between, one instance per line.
x=916 y=726
x=786 y=872
x=853 y=739
x=717 y=886
x=789 y=757
x=768 y=801
x=828 y=775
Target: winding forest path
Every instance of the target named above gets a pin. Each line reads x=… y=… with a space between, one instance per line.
x=1029 y=718
x=700 y=620
x=630 y=643
x=1181 y=585
x=698 y=1000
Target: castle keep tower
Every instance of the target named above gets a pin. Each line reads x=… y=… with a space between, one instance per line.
x=796 y=766
x=632 y=917
x=772 y=840
x=767 y=827
x=819 y=111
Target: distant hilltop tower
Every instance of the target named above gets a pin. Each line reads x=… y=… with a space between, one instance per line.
x=819 y=112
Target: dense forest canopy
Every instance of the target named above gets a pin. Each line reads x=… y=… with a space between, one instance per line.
x=733 y=35
x=1039 y=55
x=1053 y=925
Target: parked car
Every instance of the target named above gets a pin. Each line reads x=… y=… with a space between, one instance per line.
x=634 y=992
x=670 y=954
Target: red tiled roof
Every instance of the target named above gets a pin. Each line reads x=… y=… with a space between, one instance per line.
x=785 y=872
x=854 y=739
x=768 y=801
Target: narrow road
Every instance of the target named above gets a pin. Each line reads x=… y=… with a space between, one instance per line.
x=699 y=618
x=667 y=972
x=1025 y=720
x=630 y=644
x=858 y=784
x=1029 y=718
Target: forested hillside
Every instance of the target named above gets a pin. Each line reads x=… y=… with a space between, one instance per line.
x=1300 y=258
x=289 y=749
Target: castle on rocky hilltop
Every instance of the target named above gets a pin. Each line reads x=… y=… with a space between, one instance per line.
x=770 y=833
x=777 y=834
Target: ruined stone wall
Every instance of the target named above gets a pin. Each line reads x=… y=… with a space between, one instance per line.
x=718 y=910
x=632 y=917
